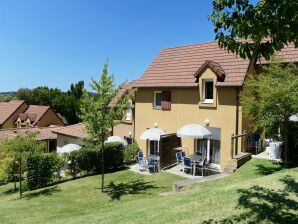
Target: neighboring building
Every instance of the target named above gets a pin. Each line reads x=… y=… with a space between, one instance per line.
x=125 y=128
x=72 y=134
x=9 y=112
x=17 y=114
x=43 y=134
x=38 y=116
x=199 y=84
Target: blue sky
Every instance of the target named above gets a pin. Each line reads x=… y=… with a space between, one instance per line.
x=57 y=42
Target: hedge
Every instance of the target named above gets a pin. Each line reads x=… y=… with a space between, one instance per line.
x=41 y=169
x=89 y=158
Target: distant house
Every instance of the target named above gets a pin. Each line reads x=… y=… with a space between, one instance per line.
x=125 y=127
x=17 y=114
x=43 y=134
x=72 y=134
x=9 y=112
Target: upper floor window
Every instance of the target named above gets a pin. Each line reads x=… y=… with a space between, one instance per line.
x=162 y=100
x=127 y=116
x=208 y=91
x=157 y=99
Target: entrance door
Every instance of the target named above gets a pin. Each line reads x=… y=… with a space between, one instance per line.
x=201 y=146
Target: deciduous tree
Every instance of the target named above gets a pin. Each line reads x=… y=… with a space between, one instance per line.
x=276 y=20
x=98 y=116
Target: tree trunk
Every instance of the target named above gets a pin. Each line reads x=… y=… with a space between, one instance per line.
x=20 y=176
x=102 y=163
x=285 y=138
x=14 y=181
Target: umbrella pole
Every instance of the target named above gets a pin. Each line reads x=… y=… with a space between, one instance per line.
x=208 y=149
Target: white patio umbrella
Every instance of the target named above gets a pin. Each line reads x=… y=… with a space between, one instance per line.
x=116 y=138
x=152 y=134
x=68 y=148
x=196 y=131
x=294 y=118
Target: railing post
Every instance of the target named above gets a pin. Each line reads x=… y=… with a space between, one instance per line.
x=232 y=146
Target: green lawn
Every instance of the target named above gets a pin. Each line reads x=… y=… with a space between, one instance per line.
x=260 y=191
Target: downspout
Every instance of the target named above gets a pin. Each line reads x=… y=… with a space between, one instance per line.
x=134 y=119
x=237 y=120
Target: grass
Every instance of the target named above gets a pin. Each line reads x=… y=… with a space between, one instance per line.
x=260 y=191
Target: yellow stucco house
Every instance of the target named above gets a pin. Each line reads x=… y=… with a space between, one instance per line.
x=198 y=84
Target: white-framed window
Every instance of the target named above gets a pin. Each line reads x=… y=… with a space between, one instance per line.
x=208 y=91
x=128 y=113
x=157 y=100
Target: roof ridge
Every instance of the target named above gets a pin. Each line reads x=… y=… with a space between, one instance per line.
x=70 y=125
x=189 y=45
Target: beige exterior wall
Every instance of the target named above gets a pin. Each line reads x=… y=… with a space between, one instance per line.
x=49 y=118
x=10 y=123
x=186 y=108
x=123 y=129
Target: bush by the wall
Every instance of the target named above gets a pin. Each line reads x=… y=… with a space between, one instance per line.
x=89 y=158
x=73 y=163
x=41 y=169
x=130 y=153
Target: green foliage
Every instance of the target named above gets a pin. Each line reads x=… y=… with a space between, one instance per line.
x=274 y=19
x=67 y=104
x=114 y=155
x=7 y=96
x=130 y=153
x=98 y=116
x=89 y=159
x=270 y=98
x=15 y=152
x=73 y=163
x=41 y=168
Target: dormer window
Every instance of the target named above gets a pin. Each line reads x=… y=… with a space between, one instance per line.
x=208 y=91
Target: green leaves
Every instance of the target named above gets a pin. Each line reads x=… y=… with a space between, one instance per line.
x=273 y=19
x=98 y=116
x=269 y=99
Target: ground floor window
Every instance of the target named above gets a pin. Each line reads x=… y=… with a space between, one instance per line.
x=201 y=146
x=152 y=147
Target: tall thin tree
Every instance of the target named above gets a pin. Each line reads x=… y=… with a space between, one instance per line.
x=97 y=113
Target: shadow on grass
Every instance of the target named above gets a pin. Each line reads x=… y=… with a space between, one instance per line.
x=42 y=192
x=116 y=191
x=265 y=170
x=266 y=205
x=10 y=191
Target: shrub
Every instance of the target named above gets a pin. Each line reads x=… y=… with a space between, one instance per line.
x=89 y=158
x=73 y=163
x=130 y=153
x=40 y=169
x=113 y=156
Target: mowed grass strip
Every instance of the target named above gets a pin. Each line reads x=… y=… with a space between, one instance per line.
x=134 y=198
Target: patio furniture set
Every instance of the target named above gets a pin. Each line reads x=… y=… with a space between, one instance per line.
x=150 y=163
x=194 y=163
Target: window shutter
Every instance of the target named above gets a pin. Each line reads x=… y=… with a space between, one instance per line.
x=166 y=100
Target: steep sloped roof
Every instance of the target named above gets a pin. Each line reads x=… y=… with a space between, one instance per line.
x=37 y=110
x=176 y=67
x=7 y=109
x=126 y=88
